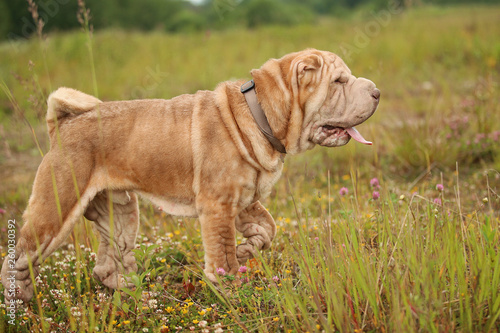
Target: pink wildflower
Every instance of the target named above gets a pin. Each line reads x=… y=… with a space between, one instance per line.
x=437 y=201
x=275 y=278
x=2 y=211
x=374 y=182
x=440 y=187
x=220 y=271
x=243 y=269
x=375 y=195
x=343 y=191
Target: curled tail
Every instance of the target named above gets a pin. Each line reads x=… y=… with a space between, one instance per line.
x=66 y=102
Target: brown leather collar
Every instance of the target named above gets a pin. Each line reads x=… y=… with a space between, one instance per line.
x=248 y=90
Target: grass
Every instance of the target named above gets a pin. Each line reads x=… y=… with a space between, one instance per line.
x=415 y=259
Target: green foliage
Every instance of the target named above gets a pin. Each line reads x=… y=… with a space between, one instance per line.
x=175 y=15
x=265 y=12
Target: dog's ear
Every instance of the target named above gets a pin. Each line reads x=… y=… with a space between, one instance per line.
x=307 y=67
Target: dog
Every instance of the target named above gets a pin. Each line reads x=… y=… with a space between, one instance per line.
x=212 y=155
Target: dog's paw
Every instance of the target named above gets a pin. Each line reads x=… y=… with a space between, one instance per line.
x=244 y=252
x=19 y=295
x=111 y=278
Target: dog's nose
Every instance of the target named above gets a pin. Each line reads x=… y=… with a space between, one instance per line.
x=376 y=93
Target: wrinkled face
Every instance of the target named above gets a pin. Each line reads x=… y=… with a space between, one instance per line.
x=335 y=100
x=311 y=97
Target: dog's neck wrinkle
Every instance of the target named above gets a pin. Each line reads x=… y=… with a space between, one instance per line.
x=253 y=146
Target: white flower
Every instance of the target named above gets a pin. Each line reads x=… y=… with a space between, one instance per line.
x=203 y=323
x=218 y=328
x=153 y=304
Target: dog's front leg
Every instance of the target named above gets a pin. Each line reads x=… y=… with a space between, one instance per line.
x=218 y=234
x=257 y=225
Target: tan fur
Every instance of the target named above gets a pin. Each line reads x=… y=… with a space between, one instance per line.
x=197 y=155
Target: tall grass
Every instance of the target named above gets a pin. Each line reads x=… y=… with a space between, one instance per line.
x=410 y=258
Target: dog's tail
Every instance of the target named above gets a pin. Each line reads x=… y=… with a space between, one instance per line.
x=65 y=103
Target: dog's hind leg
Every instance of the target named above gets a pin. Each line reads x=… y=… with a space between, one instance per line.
x=257 y=225
x=116 y=217
x=58 y=200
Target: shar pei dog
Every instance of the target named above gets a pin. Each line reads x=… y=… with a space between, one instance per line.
x=211 y=155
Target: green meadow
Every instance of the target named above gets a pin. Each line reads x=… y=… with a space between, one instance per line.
x=401 y=236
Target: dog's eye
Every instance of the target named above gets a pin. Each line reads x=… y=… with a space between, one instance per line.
x=340 y=80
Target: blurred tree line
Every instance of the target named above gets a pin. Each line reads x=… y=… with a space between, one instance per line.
x=182 y=15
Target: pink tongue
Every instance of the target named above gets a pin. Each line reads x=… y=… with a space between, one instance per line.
x=357 y=136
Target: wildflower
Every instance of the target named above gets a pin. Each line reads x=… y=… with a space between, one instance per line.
x=153 y=303
x=201 y=313
x=375 y=195
x=374 y=182
x=75 y=312
x=243 y=269
x=276 y=319
x=218 y=328
x=402 y=197
x=220 y=271
x=170 y=309
x=126 y=322
x=203 y=323
x=2 y=211
x=437 y=201
x=275 y=278
x=485 y=200
x=440 y=187
x=195 y=321
x=343 y=191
